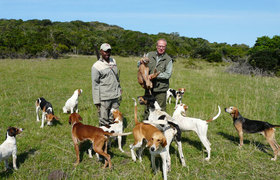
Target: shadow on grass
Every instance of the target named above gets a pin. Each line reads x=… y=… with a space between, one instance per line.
x=196 y=144
x=20 y=160
x=55 y=123
x=84 y=146
x=234 y=139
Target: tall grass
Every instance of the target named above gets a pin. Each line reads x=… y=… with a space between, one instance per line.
x=43 y=151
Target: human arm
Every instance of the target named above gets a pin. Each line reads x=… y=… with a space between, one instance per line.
x=95 y=76
x=167 y=73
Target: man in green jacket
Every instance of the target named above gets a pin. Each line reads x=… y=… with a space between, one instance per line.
x=162 y=62
x=106 y=88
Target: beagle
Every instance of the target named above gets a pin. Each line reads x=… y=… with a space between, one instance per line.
x=71 y=104
x=146 y=135
x=116 y=127
x=165 y=123
x=97 y=136
x=47 y=111
x=9 y=146
x=194 y=124
x=178 y=95
x=244 y=125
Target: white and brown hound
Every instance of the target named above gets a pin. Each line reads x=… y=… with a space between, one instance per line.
x=194 y=124
x=71 y=104
x=146 y=135
x=116 y=127
x=9 y=147
x=165 y=123
x=244 y=125
x=178 y=95
x=47 y=111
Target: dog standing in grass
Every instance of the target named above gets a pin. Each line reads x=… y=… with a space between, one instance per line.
x=71 y=104
x=244 y=125
x=97 y=136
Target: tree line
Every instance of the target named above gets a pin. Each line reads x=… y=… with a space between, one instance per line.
x=47 y=39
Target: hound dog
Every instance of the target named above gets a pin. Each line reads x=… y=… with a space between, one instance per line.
x=194 y=124
x=144 y=79
x=244 y=125
x=71 y=104
x=9 y=147
x=116 y=127
x=146 y=135
x=165 y=123
x=97 y=136
x=47 y=111
x=178 y=95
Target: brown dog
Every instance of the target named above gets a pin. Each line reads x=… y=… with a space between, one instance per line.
x=97 y=136
x=143 y=74
x=146 y=135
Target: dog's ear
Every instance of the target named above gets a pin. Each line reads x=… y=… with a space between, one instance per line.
x=163 y=143
x=70 y=120
x=235 y=113
x=80 y=118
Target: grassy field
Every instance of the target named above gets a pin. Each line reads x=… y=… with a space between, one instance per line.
x=44 y=151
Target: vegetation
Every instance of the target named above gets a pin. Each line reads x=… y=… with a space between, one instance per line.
x=47 y=39
x=266 y=54
x=44 y=151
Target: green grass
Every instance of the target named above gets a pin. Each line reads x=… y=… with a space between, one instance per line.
x=42 y=151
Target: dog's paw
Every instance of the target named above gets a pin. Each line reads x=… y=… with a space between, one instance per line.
x=207 y=159
x=273 y=159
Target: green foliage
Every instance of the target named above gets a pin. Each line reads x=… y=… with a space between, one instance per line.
x=266 y=54
x=214 y=57
x=44 y=38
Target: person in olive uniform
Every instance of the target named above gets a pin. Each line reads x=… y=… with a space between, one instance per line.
x=163 y=63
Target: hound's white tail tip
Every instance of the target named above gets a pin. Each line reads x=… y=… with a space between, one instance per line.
x=135 y=102
x=218 y=113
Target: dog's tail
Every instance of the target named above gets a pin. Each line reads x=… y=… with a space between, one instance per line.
x=117 y=134
x=178 y=135
x=212 y=119
x=276 y=126
x=135 y=111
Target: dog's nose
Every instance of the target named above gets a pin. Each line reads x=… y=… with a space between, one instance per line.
x=152 y=148
x=225 y=109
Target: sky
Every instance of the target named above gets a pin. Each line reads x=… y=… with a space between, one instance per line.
x=221 y=21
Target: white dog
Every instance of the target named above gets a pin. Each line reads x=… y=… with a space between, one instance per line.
x=71 y=104
x=9 y=147
x=194 y=124
x=116 y=127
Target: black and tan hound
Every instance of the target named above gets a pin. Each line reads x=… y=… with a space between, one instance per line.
x=244 y=125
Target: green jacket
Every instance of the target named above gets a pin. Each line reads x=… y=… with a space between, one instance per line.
x=159 y=84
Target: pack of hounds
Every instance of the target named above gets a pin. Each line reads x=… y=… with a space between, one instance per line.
x=155 y=133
